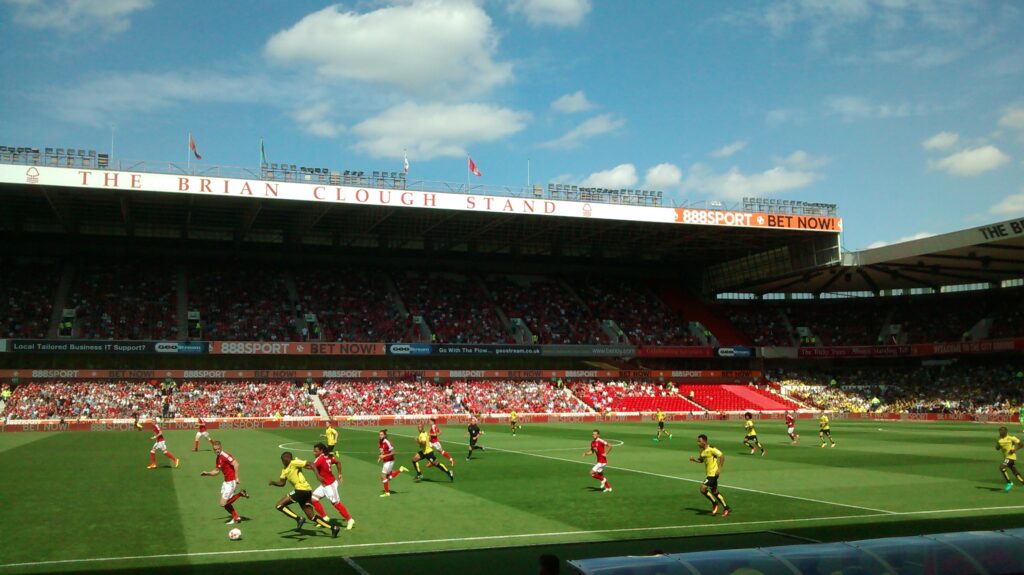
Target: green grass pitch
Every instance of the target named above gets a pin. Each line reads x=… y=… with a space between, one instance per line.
x=77 y=502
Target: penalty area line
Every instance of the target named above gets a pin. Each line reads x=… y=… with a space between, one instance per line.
x=724 y=523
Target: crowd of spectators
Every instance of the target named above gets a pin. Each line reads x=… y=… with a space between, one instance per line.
x=242 y=303
x=602 y=395
x=550 y=312
x=83 y=399
x=386 y=397
x=122 y=399
x=27 y=292
x=503 y=396
x=245 y=398
x=851 y=321
x=641 y=316
x=947 y=388
x=124 y=301
x=351 y=305
x=456 y=309
x=762 y=322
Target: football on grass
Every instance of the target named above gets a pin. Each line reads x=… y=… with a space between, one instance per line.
x=235 y=534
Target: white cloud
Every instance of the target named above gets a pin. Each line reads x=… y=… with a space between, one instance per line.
x=572 y=103
x=917 y=236
x=780 y=116
x=109 y=97
x=1013 y=118
x=1012 y=205
x=853 y=108
x=663 y=177
x=972 y=161
x=435 y=130
x=941 y=141
x=730 y=149
x=559 y=13
x=621 y=176
x=734 y=184
x=317 y=119
x=801 y=160
x=423 y=48
x=591 y=128
x=109 y=16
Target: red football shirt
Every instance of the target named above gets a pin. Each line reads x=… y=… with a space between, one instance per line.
x=789 y=420
x=322 y=465
x=598 y=446
x=202 y=425
x=225 y=464
x=434 y=432
x=387 y=451
x=158 y=433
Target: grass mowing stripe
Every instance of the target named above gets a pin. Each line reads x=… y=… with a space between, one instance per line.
x=651 y=473
x=512 y=536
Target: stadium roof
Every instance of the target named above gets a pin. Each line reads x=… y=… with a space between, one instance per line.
x=43 y=198
x=986 y=254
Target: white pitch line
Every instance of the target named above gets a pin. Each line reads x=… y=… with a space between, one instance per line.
x=514 y=536
x=355 y=566
x=687 y=479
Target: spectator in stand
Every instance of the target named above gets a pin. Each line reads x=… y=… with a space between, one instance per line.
x=124 y=301
x=243 y=303
x=27 y=292
x=456 y=309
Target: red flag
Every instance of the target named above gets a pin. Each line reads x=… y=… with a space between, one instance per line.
x=473 y=168
x=192 y=146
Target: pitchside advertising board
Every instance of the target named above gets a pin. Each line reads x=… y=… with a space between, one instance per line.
x=272 y=190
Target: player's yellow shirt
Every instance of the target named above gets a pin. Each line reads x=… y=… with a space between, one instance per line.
x=660 y=416
x=823 y=422
x=709 y=457
x=749 y=426
x=1006 y=444
x=293 y=473
x=512 y=416
x=424 y=440
x=332 y=436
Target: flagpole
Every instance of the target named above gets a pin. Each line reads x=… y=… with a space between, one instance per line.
x=188 y=153
x=467 y=173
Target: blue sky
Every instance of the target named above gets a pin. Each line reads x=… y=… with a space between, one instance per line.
x=908 y=114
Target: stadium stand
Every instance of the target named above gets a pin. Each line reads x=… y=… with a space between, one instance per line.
x=91 y=399
x=638 y=313
x=386 y=397
x=242 y=303
x=735 y=398
x=124 y=301
x=351 y=305
x=456 y=308
x=631 y=396
x=763 y=322
x=551 y=313
x=532 y=396
x=27 y=293
x=953 y=388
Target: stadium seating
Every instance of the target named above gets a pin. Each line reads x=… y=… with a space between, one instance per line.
x=643 y=318
x=91 y=399
x=242 y=303
x=535 y=396
x=456 y=308
x=27 y=291
x=351 y=305
x=631 y=396
x=762 y=322
x=736 y=398
x=386 y=397
x=124 y=301
x=550 y=312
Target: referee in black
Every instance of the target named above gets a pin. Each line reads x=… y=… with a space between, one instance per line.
x=473 y=431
